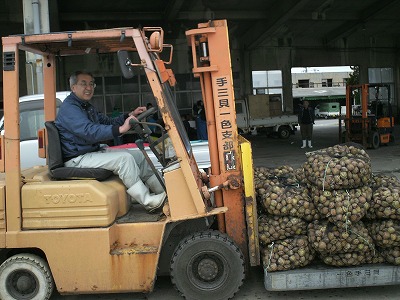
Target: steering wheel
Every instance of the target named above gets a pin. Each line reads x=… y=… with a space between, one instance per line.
x=143 y=127
x=145 y=114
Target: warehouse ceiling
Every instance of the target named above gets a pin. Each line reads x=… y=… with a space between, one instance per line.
x=253 y=23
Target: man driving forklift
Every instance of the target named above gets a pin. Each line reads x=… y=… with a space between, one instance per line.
x=82 y=129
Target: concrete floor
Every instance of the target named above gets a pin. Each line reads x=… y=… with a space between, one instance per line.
x=272 y=152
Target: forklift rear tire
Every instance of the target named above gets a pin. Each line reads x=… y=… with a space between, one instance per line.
x=207 y=265
x=25 y=276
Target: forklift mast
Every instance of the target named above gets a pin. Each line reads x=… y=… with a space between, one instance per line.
x=212 y=65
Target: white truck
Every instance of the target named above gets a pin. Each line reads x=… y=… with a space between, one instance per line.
x=32 y=119
x=258 y=114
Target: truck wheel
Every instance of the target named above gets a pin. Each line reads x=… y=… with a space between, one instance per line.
x=207 y=265
x=375 y=140
x=284 y=132
x=25 y=276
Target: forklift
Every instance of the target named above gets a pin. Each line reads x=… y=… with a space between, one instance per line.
x=75 y=230
x=369 y=119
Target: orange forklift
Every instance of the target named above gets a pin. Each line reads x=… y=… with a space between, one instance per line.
x=369 y=120
x=76 y=230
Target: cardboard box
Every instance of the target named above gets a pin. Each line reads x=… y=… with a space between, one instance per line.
x=259 y=106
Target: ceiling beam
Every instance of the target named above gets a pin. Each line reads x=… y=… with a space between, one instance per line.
x=110 y=16
x=226 y=14
x=173 y=8
x=367 y=14
x=178 y=15
x=266 y=28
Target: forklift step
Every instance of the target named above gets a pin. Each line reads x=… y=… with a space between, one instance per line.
x=321 y=276
x=137 y=214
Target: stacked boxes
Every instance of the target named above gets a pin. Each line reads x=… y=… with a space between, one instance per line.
x=262 y=106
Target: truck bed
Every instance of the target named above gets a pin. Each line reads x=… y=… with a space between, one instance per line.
x=273 y=121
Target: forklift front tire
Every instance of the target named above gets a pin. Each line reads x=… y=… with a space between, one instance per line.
x=207 y=265
x=25 y=276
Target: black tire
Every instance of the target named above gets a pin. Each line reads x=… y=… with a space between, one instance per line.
x=207 y=265
x=284 y=132
x=25 y=276
x=391 y=139
x=375 y=141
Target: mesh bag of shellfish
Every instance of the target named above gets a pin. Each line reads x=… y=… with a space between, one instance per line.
x=338 y=167
x=385 y=233
x=327 y=238
x=391 y=255
x=356 y=258
x=385 y=203
x=264 y=176
x=381 y=180
x=342 y=207
x=287 y=254
x=273 y=228
x=281 y=200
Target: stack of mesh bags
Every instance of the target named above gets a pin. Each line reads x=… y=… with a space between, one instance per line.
x=286 y=209
x=339 y=179
x=384 y=217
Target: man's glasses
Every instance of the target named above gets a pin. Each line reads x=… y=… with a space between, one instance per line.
x=84 y=84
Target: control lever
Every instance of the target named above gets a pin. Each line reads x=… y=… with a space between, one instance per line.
x=139 y=143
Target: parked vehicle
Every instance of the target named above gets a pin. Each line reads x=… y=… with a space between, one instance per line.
x=268 y=118
x=31 y=119
x=327 y=110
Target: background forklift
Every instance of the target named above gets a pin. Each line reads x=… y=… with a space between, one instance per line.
x=369 y=120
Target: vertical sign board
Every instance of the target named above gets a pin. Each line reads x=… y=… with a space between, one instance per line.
x=225 y=121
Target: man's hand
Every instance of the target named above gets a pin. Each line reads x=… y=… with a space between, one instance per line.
x=137 y=111
x=126 y=126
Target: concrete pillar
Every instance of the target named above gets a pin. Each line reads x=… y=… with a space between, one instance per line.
x=287 y=88
x=36 y=20
x=246 y=68
x=286 y=67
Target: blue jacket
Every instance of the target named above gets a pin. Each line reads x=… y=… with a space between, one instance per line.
x=81 y=127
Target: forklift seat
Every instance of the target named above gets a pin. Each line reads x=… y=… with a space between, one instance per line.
x=56 y=163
